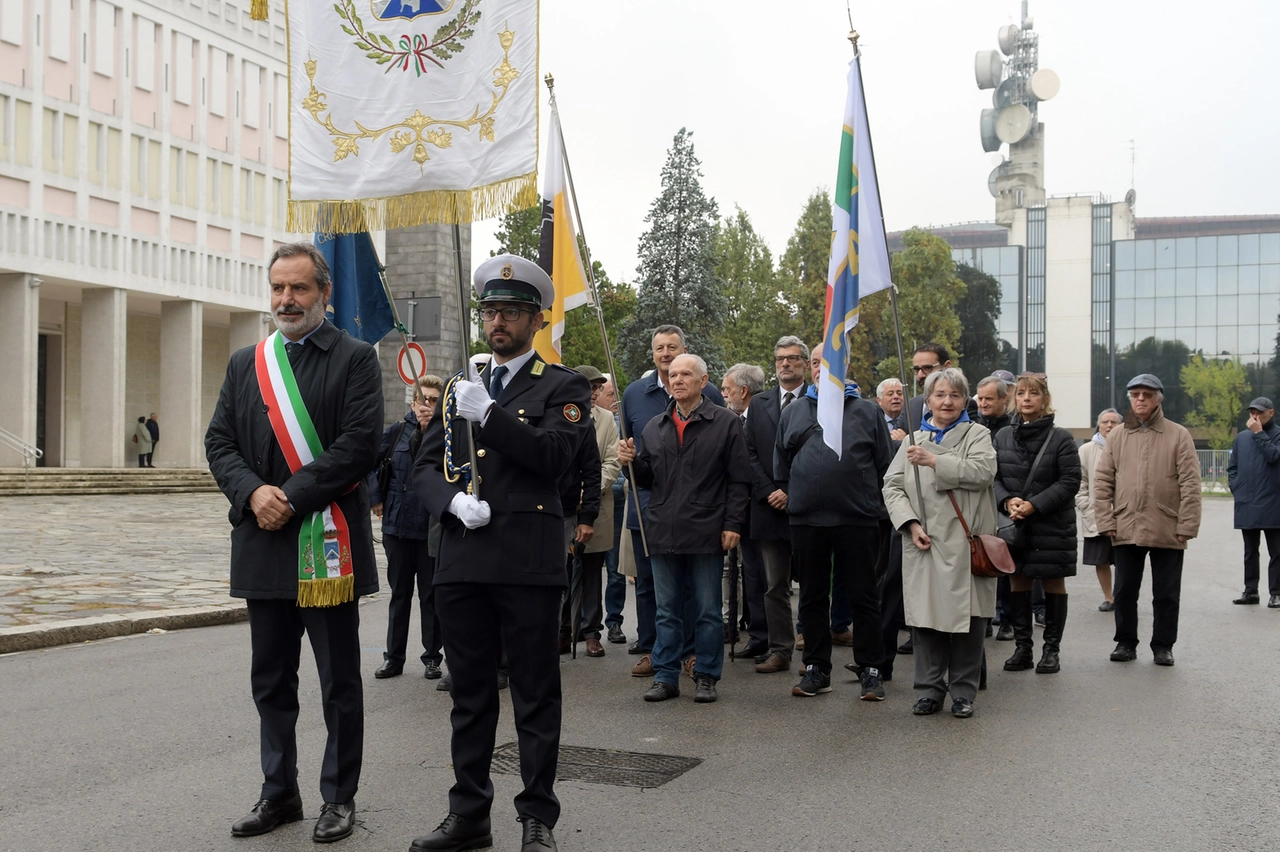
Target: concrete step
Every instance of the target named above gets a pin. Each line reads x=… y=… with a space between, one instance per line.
x=16 y=481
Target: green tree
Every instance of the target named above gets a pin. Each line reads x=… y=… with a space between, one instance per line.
x=1162 y=358
x=677 y=269
x=754 y=314
x=1217 y=388
x=978 y=310
x=582 y=343
x=803 y=268
x=520 y=233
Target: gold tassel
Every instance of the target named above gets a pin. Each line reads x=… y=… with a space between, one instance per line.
x=433 y=207
x=329 y=591
x=258 y=10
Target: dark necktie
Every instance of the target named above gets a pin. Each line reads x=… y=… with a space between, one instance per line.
x=495 y=383
x=292 y=349
x=788 y=399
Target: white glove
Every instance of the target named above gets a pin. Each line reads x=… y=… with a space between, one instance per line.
x=472 y=512
x=473 y=401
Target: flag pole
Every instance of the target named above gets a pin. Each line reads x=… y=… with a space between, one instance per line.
x=395 y=315
x=893 y=287
x=595 y=297
x=464 y=343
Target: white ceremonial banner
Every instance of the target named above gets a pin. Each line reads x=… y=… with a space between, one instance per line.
x=404 y=112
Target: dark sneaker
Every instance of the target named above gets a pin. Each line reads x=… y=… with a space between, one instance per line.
x=1106 y=606
x=872 y=689
x=814 y=681
x=661 y=691
x=962 y=708
x=1123 y=654
x=705 y=690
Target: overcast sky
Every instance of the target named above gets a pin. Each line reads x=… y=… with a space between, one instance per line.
x=762 y=87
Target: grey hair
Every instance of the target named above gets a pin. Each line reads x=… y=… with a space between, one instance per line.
x=747 y=376
x=1002 y=387
x=304 y=249
x=698 y=363
x=884 y=386
x=1104 y=412
x=953 y=376
x=670 y=329
x=789 y=340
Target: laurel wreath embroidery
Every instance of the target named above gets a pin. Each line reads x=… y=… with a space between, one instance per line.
x=411 y=50
x=414 y=129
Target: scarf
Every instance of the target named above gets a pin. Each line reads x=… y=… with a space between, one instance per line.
x=325 y=576
x=940 y=432
x=1098 y=439
x=851 y=389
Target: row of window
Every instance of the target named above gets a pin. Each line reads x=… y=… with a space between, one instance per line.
x=1199 y=281
x=1188 y=252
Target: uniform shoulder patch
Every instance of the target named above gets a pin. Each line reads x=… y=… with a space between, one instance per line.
x=537 y=368
x=572 y=413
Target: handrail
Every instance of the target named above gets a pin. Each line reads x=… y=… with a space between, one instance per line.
x=29 y=452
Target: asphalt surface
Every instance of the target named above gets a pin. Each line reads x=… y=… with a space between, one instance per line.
x=149 y=742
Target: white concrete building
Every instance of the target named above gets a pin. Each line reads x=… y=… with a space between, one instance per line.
x=143 y=161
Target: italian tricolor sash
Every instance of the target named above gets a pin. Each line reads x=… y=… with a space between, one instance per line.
x=324 y=543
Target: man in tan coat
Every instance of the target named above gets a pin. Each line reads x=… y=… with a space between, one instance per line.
x=1147 y=499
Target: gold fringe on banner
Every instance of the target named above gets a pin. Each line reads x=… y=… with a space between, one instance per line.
x=329 y=591
x=258 y=10
x=434 y=207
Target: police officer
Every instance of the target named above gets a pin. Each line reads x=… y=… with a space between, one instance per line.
x=500 y=570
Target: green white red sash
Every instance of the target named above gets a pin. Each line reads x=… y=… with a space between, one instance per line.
x=325 y=577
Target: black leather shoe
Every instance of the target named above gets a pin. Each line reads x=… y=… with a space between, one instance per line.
x=926 y=707
x=1123 y=654
x=637 y=648
x=336 y=822
x=1164 y=657
x=445 y=684
x=1005 y=633
x=1274 y=602
x=661 y=691
x=962 y=708
x=503 y=680
x=537 y=836
x=389 y=669
x=616 y=636
x=266 y=815
x=433 y=671
x=753 y=650
x=1248 y=598
x=906 y=647
x=456 y=834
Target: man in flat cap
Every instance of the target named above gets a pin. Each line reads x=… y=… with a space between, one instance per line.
x=1254 y=476
x=500 y=571
x=1147 y=499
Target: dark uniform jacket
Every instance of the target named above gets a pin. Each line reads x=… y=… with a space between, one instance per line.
x=1049 y=534
x=580 y=485
x=767 y=523
x=825 y=491
x=1254 y=476
x=341 y=385
x=403 y=514
x=523 y=450
x=700 y=488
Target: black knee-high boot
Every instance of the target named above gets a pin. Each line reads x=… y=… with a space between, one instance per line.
x=1055 y=619
x=1020 y=615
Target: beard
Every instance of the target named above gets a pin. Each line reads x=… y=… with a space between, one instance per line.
x=516 y=341
x=301 y=322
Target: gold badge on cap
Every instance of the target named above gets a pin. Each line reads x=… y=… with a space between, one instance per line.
x=507 y=272
x=572 y=413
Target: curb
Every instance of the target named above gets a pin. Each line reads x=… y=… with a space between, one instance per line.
x=72 y=631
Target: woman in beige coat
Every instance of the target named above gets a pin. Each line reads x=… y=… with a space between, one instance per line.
x=1097 y=548
x=142 y=437
x=945 y=605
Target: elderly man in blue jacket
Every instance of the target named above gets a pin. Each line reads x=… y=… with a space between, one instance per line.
x=1254 y=476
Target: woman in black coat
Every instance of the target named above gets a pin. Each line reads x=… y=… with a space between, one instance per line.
x=1044 y=509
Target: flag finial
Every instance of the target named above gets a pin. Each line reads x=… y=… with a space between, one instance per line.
x=550 y=81
x=853 y=38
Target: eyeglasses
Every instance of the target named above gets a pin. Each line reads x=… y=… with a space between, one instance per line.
x=508 y=314
x=925 y=368
x=788 y=359
x=430 y=400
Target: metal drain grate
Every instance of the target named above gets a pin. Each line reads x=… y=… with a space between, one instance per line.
x=603 y=766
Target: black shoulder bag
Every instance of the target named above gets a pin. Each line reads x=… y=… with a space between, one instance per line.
x=1006 y=527
x=384 y=464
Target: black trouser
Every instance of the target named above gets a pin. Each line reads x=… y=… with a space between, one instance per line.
x=1252 y=552
x=144 y=459
x=892 y=617
x=753 y=588
x=408 y=562
x=1166 y=593
x=849 y=552
x=275 y=635
x=591 y=588
x=480 y=620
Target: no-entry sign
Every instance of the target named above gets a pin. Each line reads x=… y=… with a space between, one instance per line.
x=419 y=362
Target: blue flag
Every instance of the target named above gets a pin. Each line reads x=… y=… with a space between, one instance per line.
x=359 y=302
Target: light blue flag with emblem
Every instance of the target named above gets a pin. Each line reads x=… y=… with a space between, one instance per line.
x=859 y=257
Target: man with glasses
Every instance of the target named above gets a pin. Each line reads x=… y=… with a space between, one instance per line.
x=500 y=568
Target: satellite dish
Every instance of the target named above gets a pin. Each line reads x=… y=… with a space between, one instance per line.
x=1008 y=39
x=1006 y=93
x=1013 y=124
x=1044 y=84
x=999 y=171
x=990 y=141
x=1130 y=198
x=987 y=68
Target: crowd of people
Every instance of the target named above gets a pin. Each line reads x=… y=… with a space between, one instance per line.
x=677 y=490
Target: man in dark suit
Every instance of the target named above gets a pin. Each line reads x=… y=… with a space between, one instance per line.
x=500 y=571
x=769 y=524
x=927 y=358
x=286 y=467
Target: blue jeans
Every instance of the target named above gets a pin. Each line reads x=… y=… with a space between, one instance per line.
x=647 y=608
x=615 y=584
x=672 y=574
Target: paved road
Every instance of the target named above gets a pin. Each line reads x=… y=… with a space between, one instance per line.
x=149 y=743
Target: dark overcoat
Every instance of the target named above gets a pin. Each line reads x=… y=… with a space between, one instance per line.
x=1050 y=532
x=341 y=387
x=763 y=414
x=1254 y=476
x=403 y=514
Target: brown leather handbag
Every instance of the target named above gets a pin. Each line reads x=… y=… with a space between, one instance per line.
x=988 y=554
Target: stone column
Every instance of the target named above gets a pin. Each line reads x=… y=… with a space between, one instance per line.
x=181 y=345
x=19 y=333
x=247 y=328
x=105 y=425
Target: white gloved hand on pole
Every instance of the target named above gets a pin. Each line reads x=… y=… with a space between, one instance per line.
x=473 y=401
x=472 y=512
